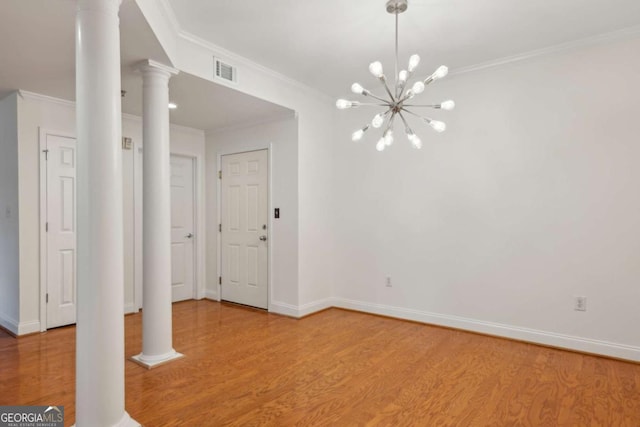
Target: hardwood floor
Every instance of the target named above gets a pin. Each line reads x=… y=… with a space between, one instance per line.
x=335 y=368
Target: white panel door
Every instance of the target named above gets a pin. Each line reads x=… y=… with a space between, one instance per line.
x=182 y=229
x=61 y=230
x=244 y=214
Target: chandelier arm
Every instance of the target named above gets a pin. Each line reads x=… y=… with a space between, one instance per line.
x=404 y=98
x=423 y=105
x=373 y=104
x=407 y=129
x=386 y=87
x=390 y=123
x=412 y=113
x=378 y=98
x=427 y=119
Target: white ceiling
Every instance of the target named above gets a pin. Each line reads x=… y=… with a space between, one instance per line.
x=326 y=44
x=37 y=54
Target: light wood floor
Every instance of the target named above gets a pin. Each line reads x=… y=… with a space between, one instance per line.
x=335 y=368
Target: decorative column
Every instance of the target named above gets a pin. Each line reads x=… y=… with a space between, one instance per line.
x=157 y=340
x=100 y=283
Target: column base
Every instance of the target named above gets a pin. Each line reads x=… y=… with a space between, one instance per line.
x=125 y=421
x=153 y=361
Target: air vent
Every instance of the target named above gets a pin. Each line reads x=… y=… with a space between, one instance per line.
x=224 y=70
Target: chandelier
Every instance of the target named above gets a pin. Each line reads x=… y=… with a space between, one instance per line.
x=398 y=97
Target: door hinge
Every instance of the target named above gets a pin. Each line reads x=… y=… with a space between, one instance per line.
x=220 y=228
x=46 y=154
x=46 y=227
x=47 y=298
x=219 y=280
x=219 y=174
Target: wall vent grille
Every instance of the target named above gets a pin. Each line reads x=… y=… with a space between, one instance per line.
x=225 y=71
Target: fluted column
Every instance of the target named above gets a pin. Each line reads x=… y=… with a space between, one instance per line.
x=100 y=284
x=157 y=340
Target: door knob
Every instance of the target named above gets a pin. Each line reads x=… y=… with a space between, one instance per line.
x=188 y=236
x=263 y=238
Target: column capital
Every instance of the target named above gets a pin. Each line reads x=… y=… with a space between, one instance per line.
x=151 y=65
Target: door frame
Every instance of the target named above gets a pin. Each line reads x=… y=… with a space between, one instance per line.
x=198 y=222
x=42 y=213
x=258 y=147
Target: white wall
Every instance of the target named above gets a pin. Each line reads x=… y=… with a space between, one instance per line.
x=281 y=138
x=34 y=113
x=314 y=151
x=9 y=249
x=315 y=113
x=528 y=200
x=37 y=112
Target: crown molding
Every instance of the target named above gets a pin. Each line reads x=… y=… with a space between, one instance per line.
x=216 y=50
x=625 y=33
x=24 y=94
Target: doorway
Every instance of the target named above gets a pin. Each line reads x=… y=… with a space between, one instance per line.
x=182 y=228
x=244 y=214
x=58 y=229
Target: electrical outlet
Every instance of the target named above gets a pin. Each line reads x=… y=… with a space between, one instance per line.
x=580 y=304
x=387 y=282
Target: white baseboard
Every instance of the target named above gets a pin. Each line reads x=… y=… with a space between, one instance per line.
x=284 y=308
x=9 y=324
x=130 y=308
x=212 y=295
x=553 y=339
x=28 y=327
x=298 y=311
x=19 y=328
x=315 y=306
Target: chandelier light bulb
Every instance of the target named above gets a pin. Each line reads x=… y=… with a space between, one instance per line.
x=441 y=72
x=357 y=135
x=357 y=88
x=381 y=144
x=343 y=104
x=415 y=141
x=377 y=120
x=413 y=62
x=375 y=68
x=402 y=76
x=448 y=105
x=438 y=126
x=388 y=137
x=418 y=87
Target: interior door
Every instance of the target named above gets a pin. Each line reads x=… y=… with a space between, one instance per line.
x=182 y=228
x=244 y=213
x=60 y=230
